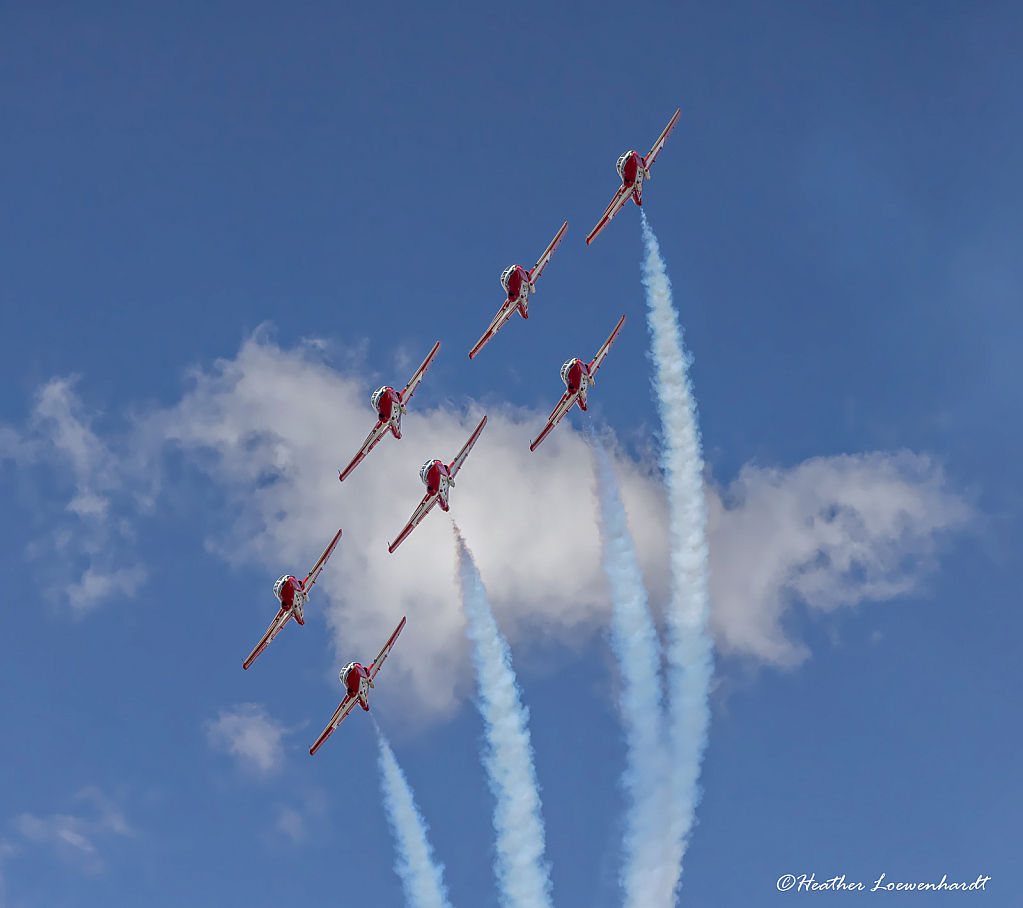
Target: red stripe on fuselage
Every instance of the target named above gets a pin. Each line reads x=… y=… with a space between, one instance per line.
x=387 y=402
x=575 y=375
x=516 y=280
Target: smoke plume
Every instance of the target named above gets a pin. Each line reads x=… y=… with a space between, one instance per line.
x=690 y=657
x=522 y=873
x=649 y=872
x=421 y=876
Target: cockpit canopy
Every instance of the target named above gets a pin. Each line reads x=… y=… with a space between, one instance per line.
x=565 y=370
x=279 y=585
x=374 y=398
x=506 y=276
x=343 y=674
x=424 y=472
x=621 y=164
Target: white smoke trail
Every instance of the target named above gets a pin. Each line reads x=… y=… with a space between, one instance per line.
x=690 y=657
x=421 y=876
x=649 y=872
x=522 y=874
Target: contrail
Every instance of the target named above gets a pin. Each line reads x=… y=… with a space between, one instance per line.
x=650 y=870
x=523 y=875
x=690 y=657
x=421 y=876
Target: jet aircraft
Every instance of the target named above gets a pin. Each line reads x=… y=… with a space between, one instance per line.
x=390 y=405
x=578 y=377
x=518 y=284
x=633 y=170
x=438 y=478
x=293 y=594
x=357 y=680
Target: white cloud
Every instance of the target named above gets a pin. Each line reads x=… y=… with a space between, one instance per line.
x=290 y=822
x=248 y=733
x=271 y=427
x=94 y=586
x=74 y=838
x=281 y=423
x=84 y=538
x=830 y=532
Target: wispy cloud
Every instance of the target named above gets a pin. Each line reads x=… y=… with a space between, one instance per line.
x=74 y=838
x=830 y=532
x=247 y=732
x=291 y=823
x=301 y=817
x=86 y=527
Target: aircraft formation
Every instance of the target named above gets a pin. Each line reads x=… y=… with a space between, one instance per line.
x=390 y=405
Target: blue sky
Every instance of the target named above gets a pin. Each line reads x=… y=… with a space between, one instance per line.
x=310 y=197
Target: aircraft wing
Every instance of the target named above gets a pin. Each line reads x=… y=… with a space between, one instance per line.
x=602 y=352
x=407 y=391
x=564 y=405
x=621 y=197
x=659 y=144
x=547 y=253
x=503 y=314
x=343 y=710
x=456 y=464
x=376 y=433
x=375 y=667
x=310 y=578
x=424 y=508
x=283 y=616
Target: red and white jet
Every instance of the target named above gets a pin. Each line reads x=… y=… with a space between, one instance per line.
x=518 y=284
x=357 y=680
x=438 y=478
x=578 y=377
x=633 y=170
x=390 y=405
x=293 y=594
